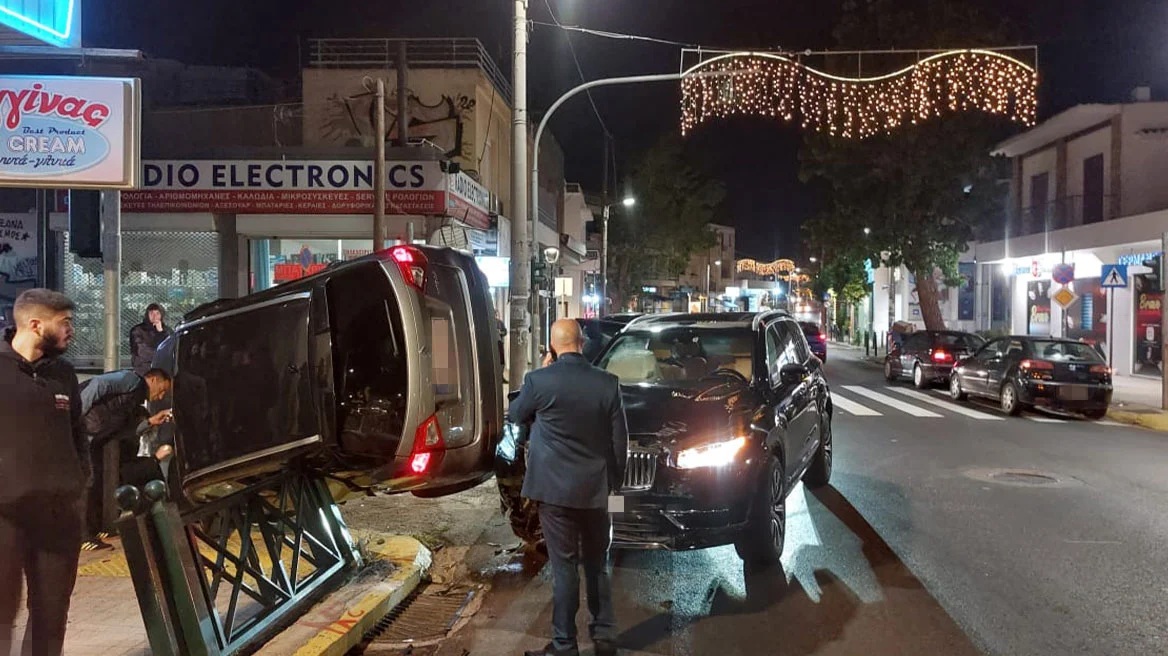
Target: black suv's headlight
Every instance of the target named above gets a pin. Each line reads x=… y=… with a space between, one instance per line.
x=714 y=454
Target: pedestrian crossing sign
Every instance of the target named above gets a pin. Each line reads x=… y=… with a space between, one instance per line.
x=1114 y=275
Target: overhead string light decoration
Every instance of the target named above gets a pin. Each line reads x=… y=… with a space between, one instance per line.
x=767 y=84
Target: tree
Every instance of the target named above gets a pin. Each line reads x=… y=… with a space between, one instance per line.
x=924 y=190
x=669 y=224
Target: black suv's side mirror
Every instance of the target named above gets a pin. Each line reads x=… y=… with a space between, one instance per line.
x=793 y=374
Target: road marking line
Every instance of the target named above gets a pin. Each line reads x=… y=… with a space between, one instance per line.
x=853 y=408
x=1105 y=422
x=1046 y=420
x=906 y=408
x=950 y=406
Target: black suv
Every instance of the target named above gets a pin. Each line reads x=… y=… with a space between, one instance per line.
x=726 y=413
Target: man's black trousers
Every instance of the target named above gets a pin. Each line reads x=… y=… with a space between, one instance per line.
x=578 y=537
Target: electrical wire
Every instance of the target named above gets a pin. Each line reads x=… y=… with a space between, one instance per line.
x=620 y=35
x=579 y=69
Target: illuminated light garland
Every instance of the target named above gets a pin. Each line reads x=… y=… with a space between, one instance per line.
x=781 y=268
x=767 y=84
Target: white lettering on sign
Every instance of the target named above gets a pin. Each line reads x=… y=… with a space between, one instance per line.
x=287 y=175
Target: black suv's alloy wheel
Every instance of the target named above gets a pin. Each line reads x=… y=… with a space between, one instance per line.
x=762 y=543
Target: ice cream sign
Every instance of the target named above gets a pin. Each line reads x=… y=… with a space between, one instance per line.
x=69 y=132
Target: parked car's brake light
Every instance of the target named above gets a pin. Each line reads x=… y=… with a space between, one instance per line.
x=822 y=337
x=428 y=444
x=1100 y=369
x=1037 y=365
x=412 y=264
x=942 y=356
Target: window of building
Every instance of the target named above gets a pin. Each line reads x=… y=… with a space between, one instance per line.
x=1093 y=205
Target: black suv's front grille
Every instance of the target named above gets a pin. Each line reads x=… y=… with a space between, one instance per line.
x=641 y=470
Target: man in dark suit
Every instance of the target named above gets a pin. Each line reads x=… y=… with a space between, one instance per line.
x=577 y=456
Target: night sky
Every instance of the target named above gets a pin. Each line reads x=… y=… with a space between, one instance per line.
x=1090 y=51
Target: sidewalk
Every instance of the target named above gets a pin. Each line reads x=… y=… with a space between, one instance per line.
x=104 y=619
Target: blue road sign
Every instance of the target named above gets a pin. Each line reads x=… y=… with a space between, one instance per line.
x=1113 y=275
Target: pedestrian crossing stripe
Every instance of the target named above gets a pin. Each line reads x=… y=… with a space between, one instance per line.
x=853 y=408
x=952 y=407
x=884 y=399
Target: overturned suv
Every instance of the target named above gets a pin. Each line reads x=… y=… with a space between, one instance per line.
x=380 y=374
x=726 y=413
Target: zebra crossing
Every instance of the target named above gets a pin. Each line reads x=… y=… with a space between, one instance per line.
x=865 y=401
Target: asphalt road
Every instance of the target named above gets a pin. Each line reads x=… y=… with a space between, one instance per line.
x=916 y=548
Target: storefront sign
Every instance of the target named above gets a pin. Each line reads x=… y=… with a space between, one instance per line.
x=69 y=132
x=1038 y=308
x=18 y=259
x=1137 y=259
x=468 y=197
x=56 y=22
x=300 y=187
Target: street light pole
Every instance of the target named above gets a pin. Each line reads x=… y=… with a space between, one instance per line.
x=379 y=166
x=604 y=263
x=520 y=253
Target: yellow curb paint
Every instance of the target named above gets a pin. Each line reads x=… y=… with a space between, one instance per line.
x=1157 y=421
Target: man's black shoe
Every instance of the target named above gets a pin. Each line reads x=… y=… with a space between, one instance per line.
x=605 y=649
x=550 y=650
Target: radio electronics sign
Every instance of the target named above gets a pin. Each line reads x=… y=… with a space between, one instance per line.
x=69 y=132
x=55 y=22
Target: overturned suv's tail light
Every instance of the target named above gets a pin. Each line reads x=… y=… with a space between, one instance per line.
x=428 y=447
x=412 y=264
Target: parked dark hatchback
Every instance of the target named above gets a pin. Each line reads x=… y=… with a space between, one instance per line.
x=1025 y=372
x=927 y=357
x=726 y=413
x=816 y=339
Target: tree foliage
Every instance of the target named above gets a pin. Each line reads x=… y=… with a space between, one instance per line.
x=926 y=190
x=656 y=238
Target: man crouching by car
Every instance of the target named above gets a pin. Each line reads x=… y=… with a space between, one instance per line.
x=577 y=456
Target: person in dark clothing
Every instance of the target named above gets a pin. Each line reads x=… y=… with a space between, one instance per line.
x=577 y=456
x=41 y=471
x=146 y=336
x=113 y=408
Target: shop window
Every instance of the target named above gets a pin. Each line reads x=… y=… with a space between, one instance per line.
x=179 y=270
x=1149 y=296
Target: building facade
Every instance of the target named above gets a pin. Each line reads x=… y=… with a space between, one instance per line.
x=1087 y=191
x=245 y=186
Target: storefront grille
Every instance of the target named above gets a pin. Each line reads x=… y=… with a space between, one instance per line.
x=179 y=270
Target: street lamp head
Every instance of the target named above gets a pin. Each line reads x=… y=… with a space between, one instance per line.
x=814 y=260
x=551 y=254
x=717 y=262
x=629 y=201
x=867 y=231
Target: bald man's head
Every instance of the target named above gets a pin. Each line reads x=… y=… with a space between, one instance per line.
x=566 y=337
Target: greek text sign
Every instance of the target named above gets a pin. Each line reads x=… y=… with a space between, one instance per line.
x=69 y=132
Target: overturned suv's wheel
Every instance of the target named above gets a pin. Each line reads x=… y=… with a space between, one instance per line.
x=761 y=544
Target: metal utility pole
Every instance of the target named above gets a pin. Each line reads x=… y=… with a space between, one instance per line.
x=403 y=95
x=1163 y=319
x=111 y=265
x=603 y=309
x=379 y=167
x=520 y=253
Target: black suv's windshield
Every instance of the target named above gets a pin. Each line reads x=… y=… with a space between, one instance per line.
x=679 y=356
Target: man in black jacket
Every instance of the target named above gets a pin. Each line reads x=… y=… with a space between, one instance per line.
x=41 y=471
x=113 y=408
x=577 y=456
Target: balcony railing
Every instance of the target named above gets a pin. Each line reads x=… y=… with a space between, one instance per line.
x=420 y=53
x=1064 y=213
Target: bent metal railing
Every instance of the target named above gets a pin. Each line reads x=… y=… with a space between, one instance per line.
x=225 y=577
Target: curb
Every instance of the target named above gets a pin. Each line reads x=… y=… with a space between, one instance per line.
x=1157 y=421
x=340 y=621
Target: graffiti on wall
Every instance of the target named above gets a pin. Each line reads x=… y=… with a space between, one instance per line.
x=348 y=120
